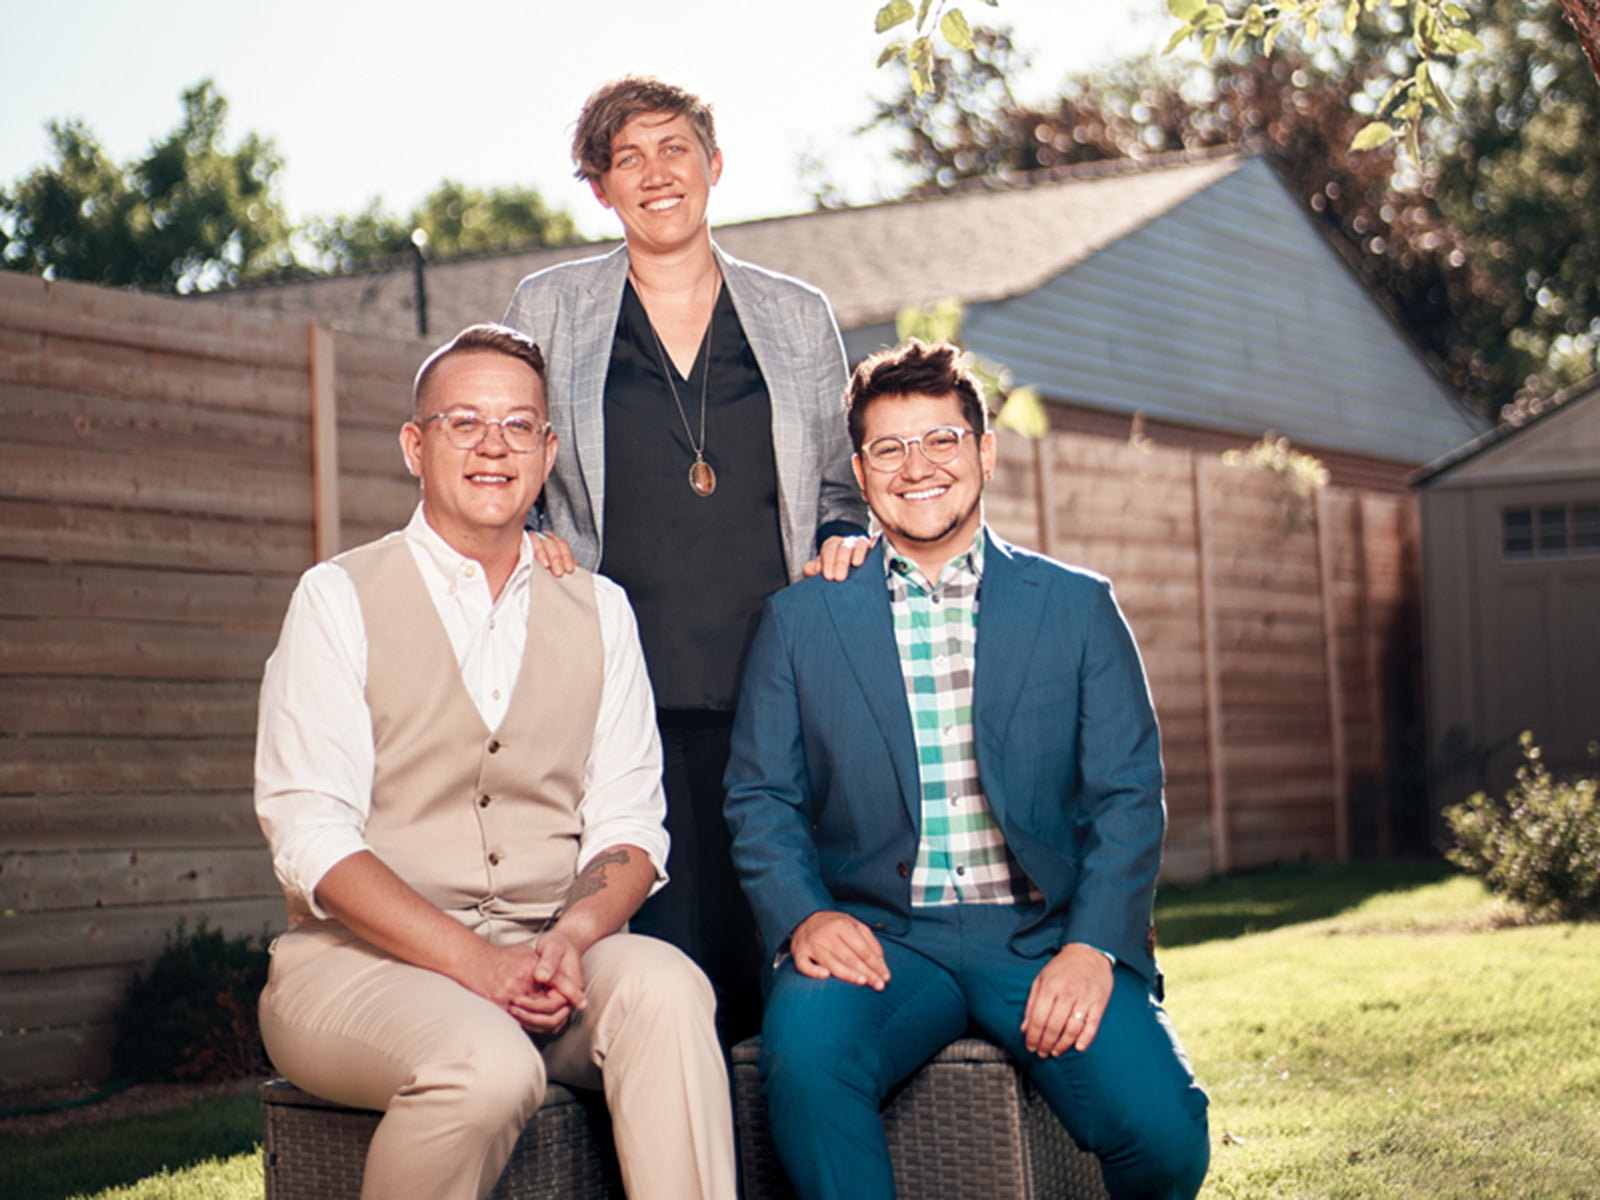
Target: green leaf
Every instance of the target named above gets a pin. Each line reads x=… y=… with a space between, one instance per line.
x=1273 y=30
x=1213 y=16
x=1208 y=44
x=922 y=13
x=1461 y=41
x=1372 y=136
x=1411 y=143
x=891 y=52
x=1024 y=412
x=896 y=12
x=954 y=27
x=1396 y=89
x=1352 y=14
x=1178 y=39
x=917 y=51
x=1186 y=10
x=1238 y=39
x=937 y=322
x=922 y=77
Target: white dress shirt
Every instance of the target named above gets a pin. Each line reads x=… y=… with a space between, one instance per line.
x=314 y=748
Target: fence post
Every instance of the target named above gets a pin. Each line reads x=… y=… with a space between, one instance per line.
x=1330 y=651
x=324 y=441
x=1044 y=473
x=1221 y=849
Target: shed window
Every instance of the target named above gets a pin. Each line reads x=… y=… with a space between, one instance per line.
x=1550 y=531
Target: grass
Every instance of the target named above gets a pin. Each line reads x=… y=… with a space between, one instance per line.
x=1363 y=1031
x=1401 y=1045
x=209 y=1151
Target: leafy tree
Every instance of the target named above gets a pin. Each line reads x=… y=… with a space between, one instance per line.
x=189 y=214
x=1519 y=175
x=455 y=219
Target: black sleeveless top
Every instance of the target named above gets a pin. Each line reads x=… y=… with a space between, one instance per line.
x=696 y=568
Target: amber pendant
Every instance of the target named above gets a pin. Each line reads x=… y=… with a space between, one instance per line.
x=702 y=478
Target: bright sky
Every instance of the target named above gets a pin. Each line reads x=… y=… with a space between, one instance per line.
x=369 y=99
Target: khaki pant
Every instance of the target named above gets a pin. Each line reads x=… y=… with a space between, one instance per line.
x=458 y=1078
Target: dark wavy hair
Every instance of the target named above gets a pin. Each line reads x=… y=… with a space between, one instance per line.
x=914 y=368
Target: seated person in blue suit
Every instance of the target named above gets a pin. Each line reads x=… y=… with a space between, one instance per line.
x=945 y=795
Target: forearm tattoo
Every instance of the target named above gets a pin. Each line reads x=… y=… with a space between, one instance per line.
x=593 y=878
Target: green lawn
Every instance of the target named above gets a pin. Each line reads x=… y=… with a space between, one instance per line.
x=1395 y=1045
x=1363 y=1031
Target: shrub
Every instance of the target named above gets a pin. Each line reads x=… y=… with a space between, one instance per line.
x=192 y=1016
x=1540 y=847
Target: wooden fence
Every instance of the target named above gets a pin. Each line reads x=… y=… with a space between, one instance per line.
x=168 y=469
x=1279 y=634
x=171 y=467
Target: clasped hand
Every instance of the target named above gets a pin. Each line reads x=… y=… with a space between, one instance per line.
x=540 y=985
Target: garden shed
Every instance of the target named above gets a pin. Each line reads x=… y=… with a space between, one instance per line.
x=1511 y=586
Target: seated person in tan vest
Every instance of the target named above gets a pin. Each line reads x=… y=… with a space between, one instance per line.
x=459 y=772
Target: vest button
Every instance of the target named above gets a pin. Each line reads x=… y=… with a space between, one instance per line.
x=494 y=860
x=494 y=747
x=483 y=801
x=905 y=871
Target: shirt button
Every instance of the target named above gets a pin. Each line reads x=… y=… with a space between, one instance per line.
x=494 y=747
x=483 y=801
x=961 y=870
x=939 y=660
x=495 y=693
x=468 y=571
x=949 y=731
x=491 y=622
x=452 y=589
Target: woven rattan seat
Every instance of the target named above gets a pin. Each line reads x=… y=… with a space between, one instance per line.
x=314 y=1149
x=966 y=1125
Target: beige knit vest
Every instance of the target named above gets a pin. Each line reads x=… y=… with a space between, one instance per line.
x=483 y=823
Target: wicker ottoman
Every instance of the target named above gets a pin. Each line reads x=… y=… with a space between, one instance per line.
x=966 y=1125
x=314 y=1149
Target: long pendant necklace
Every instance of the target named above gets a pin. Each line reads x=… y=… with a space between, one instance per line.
x=701 y=477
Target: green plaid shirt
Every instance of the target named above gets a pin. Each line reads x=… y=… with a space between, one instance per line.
x=961 y=855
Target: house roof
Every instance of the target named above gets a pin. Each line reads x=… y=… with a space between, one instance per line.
x=1570 y=405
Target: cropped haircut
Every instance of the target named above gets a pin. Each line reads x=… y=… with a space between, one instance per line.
x=479 y=339
x=612 y=105
x=914 y=368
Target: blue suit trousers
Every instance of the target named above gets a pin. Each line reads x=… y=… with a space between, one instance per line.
x=832 y=1050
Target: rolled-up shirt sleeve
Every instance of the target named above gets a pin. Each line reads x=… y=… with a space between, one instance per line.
x=623 y=802
x=314 y=752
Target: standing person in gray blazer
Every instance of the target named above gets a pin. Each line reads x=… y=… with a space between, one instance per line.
x=704 y=463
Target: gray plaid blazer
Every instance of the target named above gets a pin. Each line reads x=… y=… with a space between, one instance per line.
x=571 y=311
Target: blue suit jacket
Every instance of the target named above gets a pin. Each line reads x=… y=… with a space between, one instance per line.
x=824 y=796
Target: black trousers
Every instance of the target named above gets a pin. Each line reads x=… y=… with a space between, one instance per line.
x=702 y=910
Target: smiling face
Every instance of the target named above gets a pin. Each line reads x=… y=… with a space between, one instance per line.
x=929 y=512
x=478 y=499
x=659 y=182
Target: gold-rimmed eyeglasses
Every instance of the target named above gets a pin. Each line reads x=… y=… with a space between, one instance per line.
x=939 y=445
x=465 y=429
